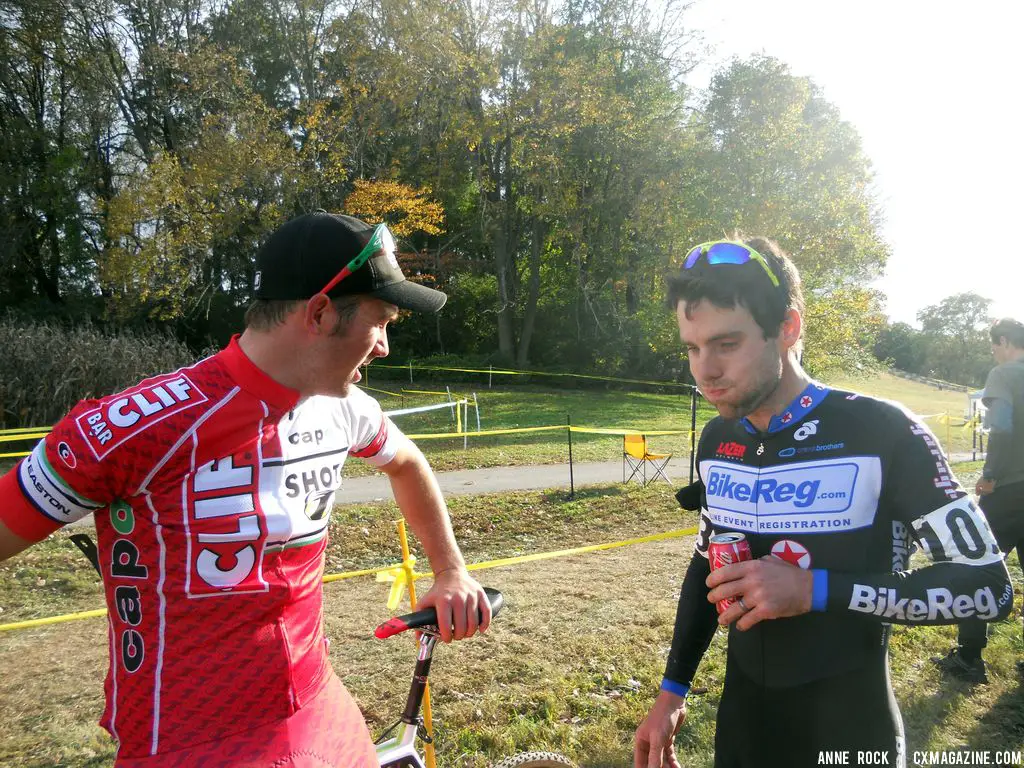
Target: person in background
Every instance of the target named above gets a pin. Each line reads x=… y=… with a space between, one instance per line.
x=1001 y=487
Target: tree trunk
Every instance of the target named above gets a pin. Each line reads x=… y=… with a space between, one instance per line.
x=533 y=292
x=502 y=264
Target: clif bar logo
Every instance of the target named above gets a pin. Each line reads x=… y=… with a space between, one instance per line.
x=125 y=415
x=731 y=450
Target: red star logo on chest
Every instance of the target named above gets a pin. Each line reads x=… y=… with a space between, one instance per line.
x=805 y=401
x=792 y=552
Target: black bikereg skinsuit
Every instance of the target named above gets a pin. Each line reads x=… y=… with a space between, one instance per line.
x=840 y=484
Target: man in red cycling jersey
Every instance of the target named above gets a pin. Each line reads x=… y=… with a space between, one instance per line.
x=212 y=488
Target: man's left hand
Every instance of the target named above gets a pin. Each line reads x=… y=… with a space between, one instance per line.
x=771 y=589
x=461 y=604
x=984 y=486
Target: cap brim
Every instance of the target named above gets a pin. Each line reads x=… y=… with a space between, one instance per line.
x=410 y=295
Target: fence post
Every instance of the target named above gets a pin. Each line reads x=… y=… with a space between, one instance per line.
x=693 y=430
x=476 y=405
x=572 y=486
x=974 y=432
x=490 y=375
x=410 y=370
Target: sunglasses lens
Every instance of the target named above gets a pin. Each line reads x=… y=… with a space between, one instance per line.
x=728 y=253
x=691 y=258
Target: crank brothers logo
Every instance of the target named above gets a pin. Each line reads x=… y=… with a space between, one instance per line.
x=806 y=430
x=940 y=603
x=800 y=497
x=803 y=450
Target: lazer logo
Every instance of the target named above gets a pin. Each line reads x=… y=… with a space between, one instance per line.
x=722 y=485
x=940 y=603
x=731 y=450
x=115 y=420
x=227 y=539
x=806 y=430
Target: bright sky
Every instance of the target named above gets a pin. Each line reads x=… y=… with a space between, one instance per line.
x=932 y=87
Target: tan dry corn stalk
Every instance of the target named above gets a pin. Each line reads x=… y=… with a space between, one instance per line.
x=47 y=369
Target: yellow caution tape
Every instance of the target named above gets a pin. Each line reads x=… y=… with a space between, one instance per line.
x=5 y=438
x=426 y=392
x=14 y=455
x=382 y=391
x=591 y=430
x=21 y=430
x=601 y=431
x=52 y=620
x=485 y=433
x=399 y=577
x=400 y=574
x=581 y=550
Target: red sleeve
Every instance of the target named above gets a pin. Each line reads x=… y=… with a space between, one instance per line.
x=21 y=515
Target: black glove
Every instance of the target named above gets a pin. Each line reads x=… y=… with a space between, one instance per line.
x=689 y=497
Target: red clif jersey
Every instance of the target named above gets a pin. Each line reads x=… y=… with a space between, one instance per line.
x=212 y=487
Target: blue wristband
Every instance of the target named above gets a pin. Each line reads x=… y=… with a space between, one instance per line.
x=819 y=592
x=679 y=689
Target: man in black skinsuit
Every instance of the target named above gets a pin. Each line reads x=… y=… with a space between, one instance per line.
x=830 y=489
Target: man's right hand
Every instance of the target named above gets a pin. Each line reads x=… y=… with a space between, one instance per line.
x=652 y=746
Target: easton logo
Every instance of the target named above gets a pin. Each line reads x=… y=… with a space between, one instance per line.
x=125 y=415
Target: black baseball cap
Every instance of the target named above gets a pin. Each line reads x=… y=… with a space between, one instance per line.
x=305 y=254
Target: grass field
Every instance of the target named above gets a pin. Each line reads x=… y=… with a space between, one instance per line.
x=571 y=665
x=514 y=407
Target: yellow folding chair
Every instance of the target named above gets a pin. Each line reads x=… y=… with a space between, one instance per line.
x=636 y=458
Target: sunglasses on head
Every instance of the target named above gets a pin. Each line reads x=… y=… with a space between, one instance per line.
x=728 y=252
x=381 y=239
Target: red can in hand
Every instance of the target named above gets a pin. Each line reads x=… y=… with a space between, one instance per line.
x=726 y=549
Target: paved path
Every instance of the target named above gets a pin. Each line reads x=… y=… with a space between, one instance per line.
x=519 y=478
x=494 y=479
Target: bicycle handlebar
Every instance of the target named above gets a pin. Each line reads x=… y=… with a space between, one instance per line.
x=428 y=617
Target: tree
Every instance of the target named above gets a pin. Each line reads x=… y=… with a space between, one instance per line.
x=778 y=161
x=903 y=346
x=958 y=342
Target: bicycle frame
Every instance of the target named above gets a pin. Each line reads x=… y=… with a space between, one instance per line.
x=399 y=750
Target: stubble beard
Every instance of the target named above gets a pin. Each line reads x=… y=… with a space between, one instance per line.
x=763 y=388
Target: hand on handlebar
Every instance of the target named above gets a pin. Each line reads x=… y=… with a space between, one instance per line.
x=461 y=604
